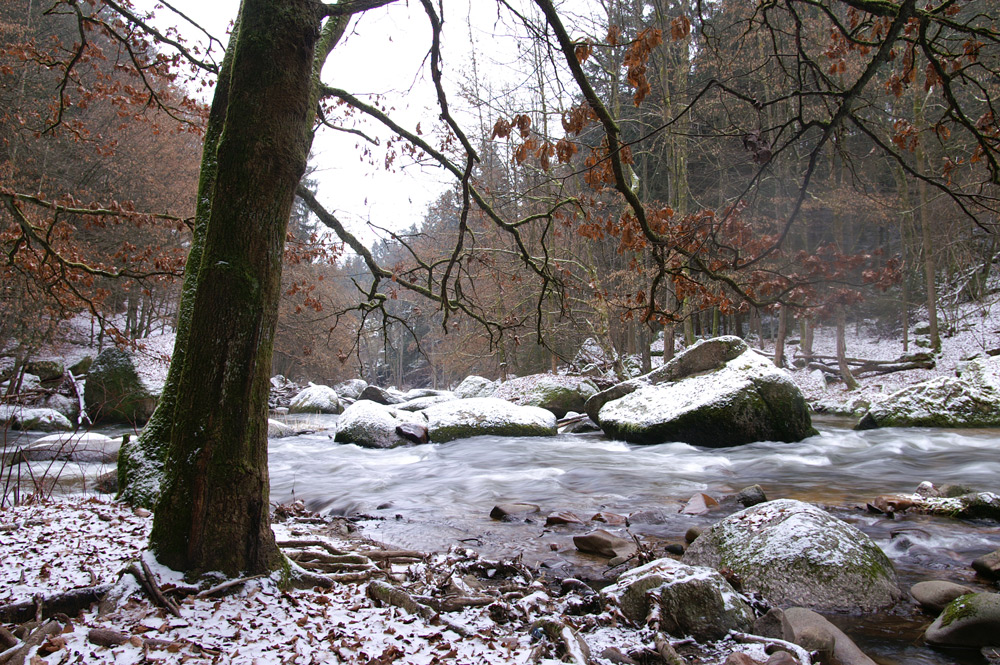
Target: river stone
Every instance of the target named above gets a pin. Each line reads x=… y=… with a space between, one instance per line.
x=988 y=565
x=509 y=512
x=64 y=405
x=971 y=400
x=748 y=399
x=475 y=386
x=372 y=425
x=693 y=600
x=700 y=504
x=603 y=543
x=972 y=620
x=29 y=382
x=381 y=395
x=413 y=432
x=791 y=552
x=751 y=496
x=421 y=403
x=813 y=632
x=316 y=399
x=82 y=447
x=82 y=366
x=935 y=595
x=114 y=392
x=557 y=393
x=351 y=389
x=39 y=420
x=462 y=418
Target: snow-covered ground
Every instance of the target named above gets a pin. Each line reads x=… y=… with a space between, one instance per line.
x=59 y=546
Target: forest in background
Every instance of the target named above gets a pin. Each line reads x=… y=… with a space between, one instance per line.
x=773 y=227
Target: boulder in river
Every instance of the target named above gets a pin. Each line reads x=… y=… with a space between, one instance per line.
x=972 y=620
x=351 y=389
x=814 y=633
x=558 y=393
x=381 y=395
x=791 y=552
x=717 y=393
x=971 y=400
x=475 y=386
x=462 y=418
x=692 y=600
x=41 y=420
x=80 y=447
x=316 y=399
x=114 y=391
x=372 y=425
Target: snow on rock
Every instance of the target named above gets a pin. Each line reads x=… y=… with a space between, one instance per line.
x=972 y=400
x=42 y=420
x=115 y=391
x=557 y=393
x=462 y=418
x=746 y=399
x=373 y=425
x=693 y=600
x=791 y=552
x=475 y=386
x=316 y=399
x=79 y=447
x=351 y=388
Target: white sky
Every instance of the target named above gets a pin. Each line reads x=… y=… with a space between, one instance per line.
x=383 y=53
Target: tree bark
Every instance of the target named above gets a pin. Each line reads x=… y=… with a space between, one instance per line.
x=779 y=341
x=842 y=364
x=213 y=508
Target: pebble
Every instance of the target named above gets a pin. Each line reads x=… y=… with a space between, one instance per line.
x=988 y=565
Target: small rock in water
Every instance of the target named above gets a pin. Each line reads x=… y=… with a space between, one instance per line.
x=562 y=517
x=740 y=658
x=674 y=548
x=509 y=512
x=782 y=658
x=751 y=496
x=614 y=519
x=655 y=516
x=988 y=565
x=700 y=504
x=891 y=504
x=692 y=533
x=935 y=595
x=605 y=544
x=812 y=631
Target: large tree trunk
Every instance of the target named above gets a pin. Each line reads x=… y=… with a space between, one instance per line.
x=213 y=508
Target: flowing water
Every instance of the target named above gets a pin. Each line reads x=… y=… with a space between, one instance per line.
x=434 y=496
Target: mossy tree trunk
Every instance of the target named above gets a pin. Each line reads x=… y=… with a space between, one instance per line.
x=213 y=508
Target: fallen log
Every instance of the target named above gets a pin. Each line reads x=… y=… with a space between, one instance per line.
x=69 y=603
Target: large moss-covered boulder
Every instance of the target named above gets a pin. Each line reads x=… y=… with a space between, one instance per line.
x=462 y=418
x=793 y=553
x=972 y=620
x=692 y=600
x=316 y=399
x=718 y=393
x=46 y=370
x=114 y=391
x=373 y=425
x=559 y=394
x=972 y=400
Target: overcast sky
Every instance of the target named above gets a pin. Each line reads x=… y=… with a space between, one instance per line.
x=384 y=53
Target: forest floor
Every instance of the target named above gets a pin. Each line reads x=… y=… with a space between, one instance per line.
x=54 y=546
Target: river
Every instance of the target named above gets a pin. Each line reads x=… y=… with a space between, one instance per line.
x=435 y=496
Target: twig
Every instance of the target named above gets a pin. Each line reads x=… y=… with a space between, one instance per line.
x=228 y=584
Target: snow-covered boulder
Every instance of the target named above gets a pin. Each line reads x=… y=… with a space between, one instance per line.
x=80 y=447
x=316 y=399
x=64 y=405
x=795 y=553
x=475 y=386
x=351 y=389
x=46 y=370
x=372 y=425
x=693 y=600
x=40 y=420
x=559 y=394
x=972 y=400
x=462 y=418
x=718 y=393
x=421 y=403
x=115 y=392
x=29 y=382
x=278 y=430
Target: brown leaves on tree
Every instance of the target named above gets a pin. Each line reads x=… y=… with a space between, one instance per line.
x=635 y=61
